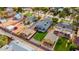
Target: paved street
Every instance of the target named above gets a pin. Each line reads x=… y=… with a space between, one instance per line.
x=25 y=43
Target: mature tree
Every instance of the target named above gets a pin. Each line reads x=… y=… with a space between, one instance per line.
x=18 y=9
x=3 y=40
x=67 y=11
x=45 y=9
x=62 y=14
x=2 y=8
x=55 y=20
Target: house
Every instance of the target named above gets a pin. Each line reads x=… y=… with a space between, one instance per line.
x=64 y=28
x=17 y=28
x=27 y=33
x=50 y=40
x=18 y=16
x=9 y=11
x=7 y=22
x=31 y=19
x=43 y=25
x=3 y=20
x=56 y=9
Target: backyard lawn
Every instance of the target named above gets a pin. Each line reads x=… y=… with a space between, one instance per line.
x=61 y=44
x=39 y=36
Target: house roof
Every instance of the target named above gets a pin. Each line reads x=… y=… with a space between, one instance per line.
x=9 y=9
x=65 y=25
x=29 y=33
x=32 y=18
x=44 y=23
x=18 y=15
x=11 y=27
x=2 y=20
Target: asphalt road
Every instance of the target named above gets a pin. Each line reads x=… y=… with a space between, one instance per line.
x=26 y=43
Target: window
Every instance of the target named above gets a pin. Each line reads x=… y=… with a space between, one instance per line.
x=45 y=24
x=43 y=28
x=39 y=28
x=63 y=26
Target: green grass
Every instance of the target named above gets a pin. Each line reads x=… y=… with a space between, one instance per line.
x=28 y=14
x=39 y=36
x=61 y=44
x=63 y=20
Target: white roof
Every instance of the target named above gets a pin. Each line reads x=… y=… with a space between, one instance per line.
x=18 y=16
x=9 y=9
x=3 y=20
x=11 y=27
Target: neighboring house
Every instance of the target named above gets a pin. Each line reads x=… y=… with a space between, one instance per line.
x=30 y=19
x=27 y=33
x=50 y=40
x=18 y=16
x=10 y=11
x=64 y=28
x=17 y=28
x=3 y=20
x=59 y=9
x=43 y=25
